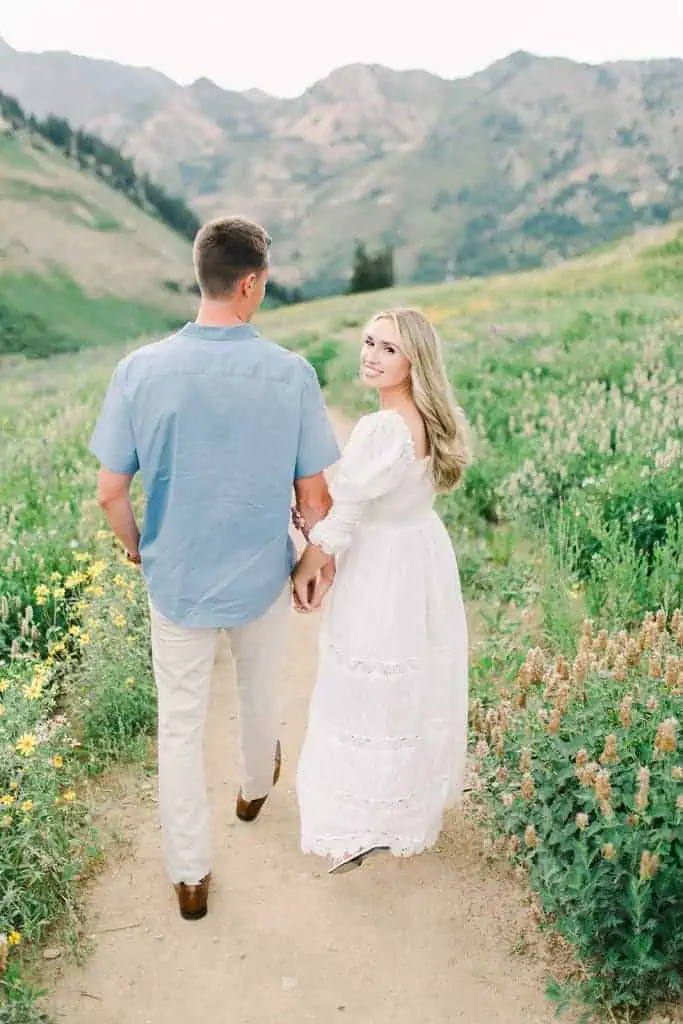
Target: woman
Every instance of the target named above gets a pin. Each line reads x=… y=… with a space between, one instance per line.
x=385 y=748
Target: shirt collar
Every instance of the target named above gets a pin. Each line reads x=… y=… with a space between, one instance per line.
x=239 y=332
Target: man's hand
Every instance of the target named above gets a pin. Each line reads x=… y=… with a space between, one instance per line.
x=113 y=496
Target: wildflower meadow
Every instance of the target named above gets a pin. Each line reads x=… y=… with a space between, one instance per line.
x=569 y=534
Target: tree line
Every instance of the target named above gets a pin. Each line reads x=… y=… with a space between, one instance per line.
x=107 y=162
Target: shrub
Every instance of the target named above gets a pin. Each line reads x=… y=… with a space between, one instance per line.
x=582 y=777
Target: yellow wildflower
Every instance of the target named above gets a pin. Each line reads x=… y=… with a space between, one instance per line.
x=119 y=580
x=7 y=800
x=14 y=785
x=102 y=535
x=6 y=820
x=4 y=685
x=119 y=620
x=82 y=556
x=97 y=568
x=55 y=577
x=69 y=796
x=26 y=744
x=95 y=590
x=74 y=580
x=58 y=593
x=14 y=938
x=84 y=639
x=129 y=683
x=27 y=806
x=677 y=773
x=75 y=630
x=58 y=761
x=33 y=691
x=41 y=594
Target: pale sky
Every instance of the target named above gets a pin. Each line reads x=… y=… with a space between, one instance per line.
x=283 y=47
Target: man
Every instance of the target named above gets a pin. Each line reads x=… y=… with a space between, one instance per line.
x=220 y=423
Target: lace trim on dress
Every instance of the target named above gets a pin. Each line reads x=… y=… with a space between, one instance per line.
x=387 y=669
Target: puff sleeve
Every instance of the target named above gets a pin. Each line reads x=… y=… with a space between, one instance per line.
x=373 y=463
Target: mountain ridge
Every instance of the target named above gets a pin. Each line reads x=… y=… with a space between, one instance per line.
x=528 y=161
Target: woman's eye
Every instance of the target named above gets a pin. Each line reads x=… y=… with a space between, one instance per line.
x=390 y=350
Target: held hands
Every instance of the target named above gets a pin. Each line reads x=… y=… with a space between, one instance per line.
x=310 y=583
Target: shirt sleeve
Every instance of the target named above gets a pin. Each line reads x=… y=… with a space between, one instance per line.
x=318 y=446
x=113 y=440
x=374 y=462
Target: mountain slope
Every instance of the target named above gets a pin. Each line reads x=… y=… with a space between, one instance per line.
x=79 y=263
x=529 y=161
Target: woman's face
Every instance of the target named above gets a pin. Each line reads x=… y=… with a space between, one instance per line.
x=382 y=364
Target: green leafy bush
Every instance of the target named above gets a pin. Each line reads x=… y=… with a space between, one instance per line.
x=581 y=773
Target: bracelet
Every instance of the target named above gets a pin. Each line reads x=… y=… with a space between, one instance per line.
x=135 y=559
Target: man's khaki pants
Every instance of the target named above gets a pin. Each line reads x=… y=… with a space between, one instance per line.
x=183 y=660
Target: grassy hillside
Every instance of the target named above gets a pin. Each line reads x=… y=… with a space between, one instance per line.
x=569 y=537
x=79 y=263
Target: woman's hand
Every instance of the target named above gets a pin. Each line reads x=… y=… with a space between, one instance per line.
x=311 y=579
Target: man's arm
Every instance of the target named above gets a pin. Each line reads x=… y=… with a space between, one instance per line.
x=313 y=500
x=113 y=497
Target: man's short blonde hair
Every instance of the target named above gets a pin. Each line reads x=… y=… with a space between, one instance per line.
x=226 y=249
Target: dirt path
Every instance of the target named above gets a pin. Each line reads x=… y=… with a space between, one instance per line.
x=443 y=938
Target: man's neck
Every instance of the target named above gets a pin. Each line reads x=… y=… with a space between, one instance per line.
x=214 y=313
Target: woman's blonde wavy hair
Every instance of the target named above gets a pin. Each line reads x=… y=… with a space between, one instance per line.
x=445 y=422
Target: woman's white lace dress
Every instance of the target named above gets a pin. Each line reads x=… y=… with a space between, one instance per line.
x=385 y=748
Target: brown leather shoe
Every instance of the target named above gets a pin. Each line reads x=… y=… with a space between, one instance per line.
x=249 y=810
x=192 y=899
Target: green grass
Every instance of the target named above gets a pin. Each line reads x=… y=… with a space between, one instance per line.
x=75 y=209
x=53 y=314
x=13 y=154
x=76 y=691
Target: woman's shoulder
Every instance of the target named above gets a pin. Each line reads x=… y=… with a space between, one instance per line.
x=386 y=422
x=384 y=435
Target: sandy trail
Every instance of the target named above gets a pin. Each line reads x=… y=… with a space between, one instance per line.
x=444 y=937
